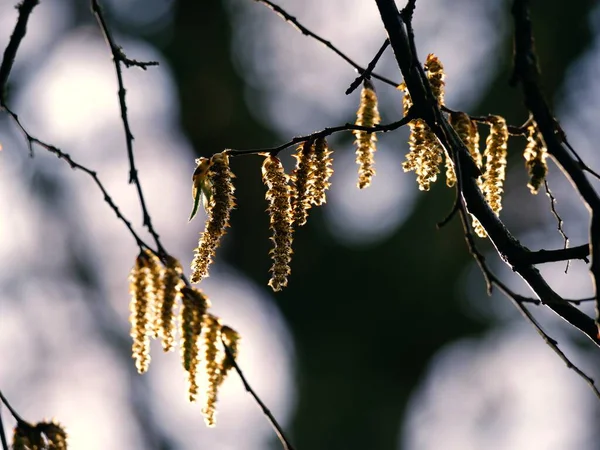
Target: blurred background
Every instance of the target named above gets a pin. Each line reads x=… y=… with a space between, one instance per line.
x=385 y=337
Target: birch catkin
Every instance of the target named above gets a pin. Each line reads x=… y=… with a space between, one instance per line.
x=280 y=213
x=219 y=208
x=366 y=116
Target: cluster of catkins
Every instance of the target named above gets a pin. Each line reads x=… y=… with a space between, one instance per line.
x=157 y=289
x=42 y=436
x=426 y=153
x=289 y=199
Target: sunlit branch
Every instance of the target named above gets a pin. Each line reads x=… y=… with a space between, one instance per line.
x=278 y=430
x=25 y=9
x=118 y=58
x=323 y=133
x=564 y=254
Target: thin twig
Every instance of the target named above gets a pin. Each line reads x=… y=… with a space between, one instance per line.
x=367 y=73
x=564 y=254
x=305 y=31
x=552 y=343
x=118 y=58
x=526 y=73
x=559 y=221
x=452 y=212
x=12 y=411
x=278 y=430
x=31 y=140
x=25 y=9
x=518 y=300
x=2 y=434
x=323 y=133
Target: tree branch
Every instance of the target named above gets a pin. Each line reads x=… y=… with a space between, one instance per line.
x=426 y=107
x=118 y=58
x=10 y=53
x=278 y=430
x=527 y=74
x=323 y=133
x=367 y=73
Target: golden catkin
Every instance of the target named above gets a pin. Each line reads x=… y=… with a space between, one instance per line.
x=280 y=213
x=467 y=131
x=155 y=281
x=193 y=309
x=213 y=357
x=323 y=172
x=56 y=436
x=435 y=75
x=535 y=155
x=220 y=205
x=303 y=179
x=425 y=153
x=141 y=306
x=170 y=292
x=495 y=162
x=366 y=116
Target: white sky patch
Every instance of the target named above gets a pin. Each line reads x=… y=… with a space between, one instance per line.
x=508 y=391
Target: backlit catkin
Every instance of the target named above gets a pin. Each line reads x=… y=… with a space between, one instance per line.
x=303 y=179
x=193 y=309
x=425 y=153
x=166 y=300
x=535 y=155
x=280 y=213
x=141 y=306
x=467 y=131
x=366 y=116
x=495 y=162
x=322 y=172
x=220 y=205
x=213 y=357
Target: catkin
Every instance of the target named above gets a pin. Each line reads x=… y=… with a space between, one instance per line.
x=322 y=172
x=280 y=213
x=303 y=179
x=193 y=309
x=170 y=292
x=425 y=154
x=213 y=359
x=221 y=203
x=467 y=131
x=366 y=116
x=495 y=162
x=141 y=306
x=535 y=155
